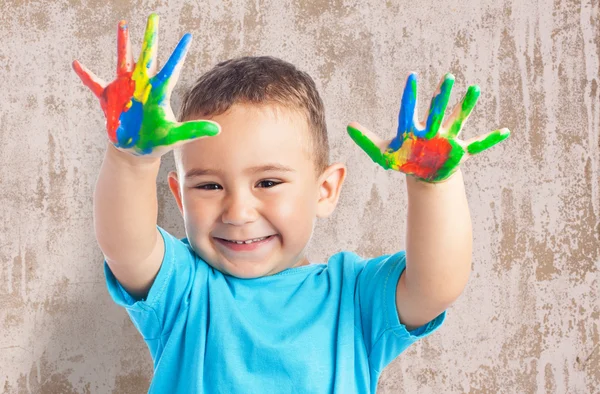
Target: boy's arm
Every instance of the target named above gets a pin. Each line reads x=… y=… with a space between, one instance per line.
x=141 y=128
x=125 y=214
x=438 y=251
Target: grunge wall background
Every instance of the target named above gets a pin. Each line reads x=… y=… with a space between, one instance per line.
x=529 y=321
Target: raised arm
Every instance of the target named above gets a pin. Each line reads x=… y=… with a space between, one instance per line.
x=439 y=238
x=141 y=127
x=125 y=214
x=438 y=249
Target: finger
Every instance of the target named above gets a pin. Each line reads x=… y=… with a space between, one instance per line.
x=191 y=130
x=487 y=141
x=95 y=84
x=461 y=112
x=147 y=61
x=124 y=57
x=406 y=117
x=407 y=107
x=439 y=102
x=368 y=142
x=374 y=138
x=170 y=72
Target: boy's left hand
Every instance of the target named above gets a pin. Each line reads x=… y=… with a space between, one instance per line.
x=429 y=151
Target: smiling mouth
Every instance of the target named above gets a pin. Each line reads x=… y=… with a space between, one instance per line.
x=246 y=242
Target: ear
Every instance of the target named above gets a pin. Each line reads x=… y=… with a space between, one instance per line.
x=174 y=186
x=330 y=186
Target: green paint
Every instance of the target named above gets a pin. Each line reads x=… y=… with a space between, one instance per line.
x=444 y=151
x=455 y=156
x=140 y=117
x=438 y=106
x=467 y=106
x=156 y=130
x=487 y=141
x=368 y=146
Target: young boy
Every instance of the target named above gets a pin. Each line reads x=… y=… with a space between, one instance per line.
x=237 y=307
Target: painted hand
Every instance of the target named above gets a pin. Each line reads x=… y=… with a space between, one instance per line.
x=429 y=151
x=139 y=118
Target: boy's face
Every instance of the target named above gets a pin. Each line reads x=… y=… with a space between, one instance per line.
x=250 y=195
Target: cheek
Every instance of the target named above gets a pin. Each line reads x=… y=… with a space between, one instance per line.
x=197 y=213
x=293 y=208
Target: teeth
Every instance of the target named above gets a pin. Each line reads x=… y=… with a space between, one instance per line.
x=248 y=241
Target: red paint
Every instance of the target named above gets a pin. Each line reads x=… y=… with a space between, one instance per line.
x=427 y=157
x=88 y=79
x=116 y=97
x=115 y=100
x=123 y=50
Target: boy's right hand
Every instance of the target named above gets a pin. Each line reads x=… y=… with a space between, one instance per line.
x=139 y=118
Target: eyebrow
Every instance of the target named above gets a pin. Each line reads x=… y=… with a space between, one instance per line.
x=194 y=172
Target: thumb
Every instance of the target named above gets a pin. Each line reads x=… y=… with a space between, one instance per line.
x=369 y=142
x=185 y=131
x=89 y=79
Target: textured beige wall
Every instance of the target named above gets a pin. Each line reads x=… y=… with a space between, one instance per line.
x=529 y=320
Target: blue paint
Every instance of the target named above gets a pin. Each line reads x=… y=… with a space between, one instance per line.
x=407 y=112
x=438 y=106
x=130 y=124
x=174 y=60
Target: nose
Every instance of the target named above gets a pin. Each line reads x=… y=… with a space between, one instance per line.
x=239 y=209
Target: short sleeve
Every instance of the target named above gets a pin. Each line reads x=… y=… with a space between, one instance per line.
x=155 y=315
x=384 y=336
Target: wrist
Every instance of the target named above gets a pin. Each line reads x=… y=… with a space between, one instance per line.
x=423 y=183
x=120 y=157
x=413 y=183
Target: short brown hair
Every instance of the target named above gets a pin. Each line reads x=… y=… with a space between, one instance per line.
x=260 y=80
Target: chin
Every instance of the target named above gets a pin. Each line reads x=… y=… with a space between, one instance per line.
x=253 y=271
x=243 y=270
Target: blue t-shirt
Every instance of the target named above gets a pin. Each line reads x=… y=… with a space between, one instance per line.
x=320 y=328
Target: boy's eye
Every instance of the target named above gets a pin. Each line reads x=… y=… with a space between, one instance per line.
x=209 y=186
x=267 y=183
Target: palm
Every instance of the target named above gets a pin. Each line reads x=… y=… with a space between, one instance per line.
x=430 y=151
x=139 y=118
